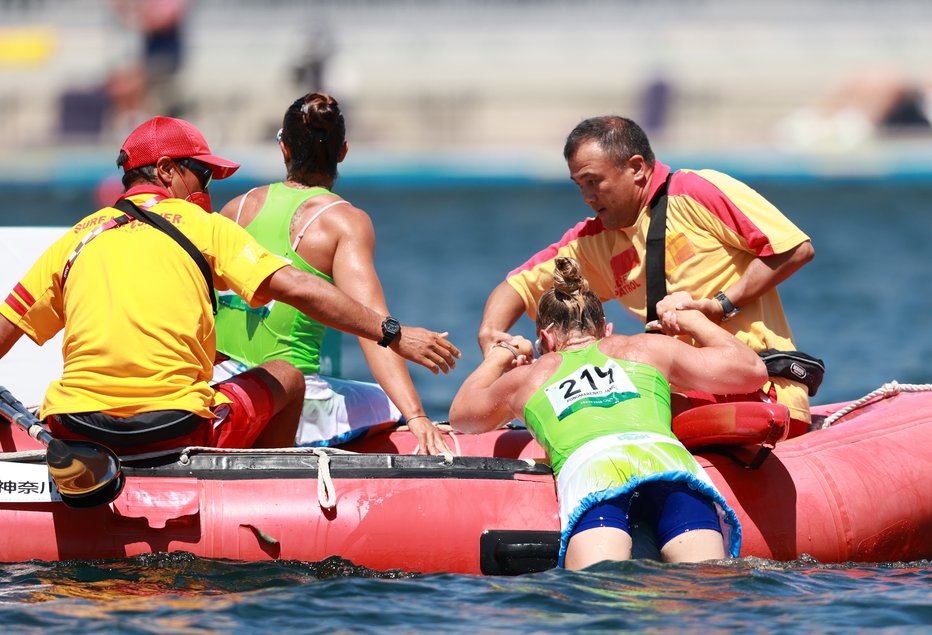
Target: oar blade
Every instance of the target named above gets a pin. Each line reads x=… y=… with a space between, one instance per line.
x=86 y=474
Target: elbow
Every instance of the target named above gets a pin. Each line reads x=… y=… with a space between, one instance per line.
x=804 y=253
x=465 y=424
x=470 y=421
x=461 y=420
x=758 y=372
x=753 y=375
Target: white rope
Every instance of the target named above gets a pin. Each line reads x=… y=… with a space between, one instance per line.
x=184 y=453
x=890 y=389
x=23 y=455
x=326 y=493
x=185 y=458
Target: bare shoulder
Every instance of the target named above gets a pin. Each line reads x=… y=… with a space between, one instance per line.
x=247 y=204
x=347 y=211
x=541 y=370
x=641 y=347
x=518 y=384
x=343 y=217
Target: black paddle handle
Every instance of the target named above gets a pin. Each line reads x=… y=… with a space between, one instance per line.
x=15 y=412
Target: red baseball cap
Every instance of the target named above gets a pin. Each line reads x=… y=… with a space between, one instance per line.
x=175 y=139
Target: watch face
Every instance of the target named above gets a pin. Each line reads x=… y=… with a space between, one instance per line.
x=390 y=330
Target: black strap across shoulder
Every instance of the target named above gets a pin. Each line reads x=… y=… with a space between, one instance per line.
x=793 y=365
x=131 y=209
x=655 y=252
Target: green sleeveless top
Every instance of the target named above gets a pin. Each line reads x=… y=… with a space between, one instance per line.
x=276 y=330
x=592 y=395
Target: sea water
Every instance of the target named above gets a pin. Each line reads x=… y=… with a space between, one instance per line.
x=862 y=305
x=178 y=593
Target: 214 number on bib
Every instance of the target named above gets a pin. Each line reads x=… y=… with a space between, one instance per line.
x=590 y=386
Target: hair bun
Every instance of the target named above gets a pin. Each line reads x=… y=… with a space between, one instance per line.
x=320 y=111
x=567 y=278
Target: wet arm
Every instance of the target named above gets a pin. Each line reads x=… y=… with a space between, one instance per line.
x=718 y=363
x=487 y=399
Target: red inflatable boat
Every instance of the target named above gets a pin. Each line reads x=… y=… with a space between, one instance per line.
x=857 y=490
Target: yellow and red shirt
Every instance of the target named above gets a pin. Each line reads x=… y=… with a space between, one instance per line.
x=139 y=327
x=716 y=226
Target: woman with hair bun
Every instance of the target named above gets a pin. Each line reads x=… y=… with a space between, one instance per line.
x=599 y=405
x=302 y=220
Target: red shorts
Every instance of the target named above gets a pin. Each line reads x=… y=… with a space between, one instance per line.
x=238 y=424
x=246 y=417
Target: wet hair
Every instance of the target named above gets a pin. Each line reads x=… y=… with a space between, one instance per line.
x=314 y=131
x=142 y=173
x=570 y=305
x=618 y=136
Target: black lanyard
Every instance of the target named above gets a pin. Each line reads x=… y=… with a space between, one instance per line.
x=655 y=252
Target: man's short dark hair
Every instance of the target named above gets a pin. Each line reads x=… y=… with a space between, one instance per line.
x=131 y=177
x=620 y=137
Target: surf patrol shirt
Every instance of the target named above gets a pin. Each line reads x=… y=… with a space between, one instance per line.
x=716 y=226
x=252 y=336
x=137 y=319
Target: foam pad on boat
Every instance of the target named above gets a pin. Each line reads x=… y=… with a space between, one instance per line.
x=734 y=424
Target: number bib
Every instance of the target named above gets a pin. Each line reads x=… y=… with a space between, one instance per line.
x=590 y=386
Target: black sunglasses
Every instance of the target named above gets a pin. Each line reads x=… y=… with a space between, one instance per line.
x=203 y=173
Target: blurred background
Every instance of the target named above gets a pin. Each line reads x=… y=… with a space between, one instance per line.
x=457 y=111
x=840 y=86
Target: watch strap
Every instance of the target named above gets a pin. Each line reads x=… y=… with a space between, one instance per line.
x=729 y=309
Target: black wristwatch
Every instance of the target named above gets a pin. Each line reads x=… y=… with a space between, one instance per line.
x=391 y=328
x=730 y=310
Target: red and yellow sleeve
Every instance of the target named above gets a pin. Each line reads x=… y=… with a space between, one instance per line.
x=35 y=303
x=737 y=215
x=589 y=244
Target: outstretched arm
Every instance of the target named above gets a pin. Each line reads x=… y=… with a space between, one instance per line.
x=489 y=397
x=330 y=306
x=502 y=310
x=354 y=273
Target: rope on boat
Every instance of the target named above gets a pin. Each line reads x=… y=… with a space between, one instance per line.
x=23 y=455
x=326 y=493
x=185 y=456
x=890 y=389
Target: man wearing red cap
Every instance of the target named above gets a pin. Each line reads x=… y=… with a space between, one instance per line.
x=136 y=309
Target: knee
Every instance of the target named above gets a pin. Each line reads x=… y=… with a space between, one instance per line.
x=289 y=380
